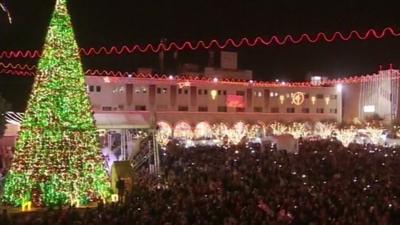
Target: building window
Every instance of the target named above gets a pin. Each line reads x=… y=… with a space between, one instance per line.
x=258 y=109
x=219 y=92
x=186 y=91
x=106 y=108
x=205 y=91
x=239 y=109
x=222 y=109
x=290 y=110
x=241 y=93
x=306 y=96
x=224 y=92
x=275 y=110
x=161 y=90
x=183 y=108
x=140 y=107
x=333 y=111
x=320 y=110
x=91 y=88
x=98 y=88
x=305 y=110
x=203 y=109
x=320 y=96
x=333 y=96
x=199 y=92
x=179 y=91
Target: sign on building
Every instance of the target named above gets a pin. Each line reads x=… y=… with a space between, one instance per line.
x=229 y=60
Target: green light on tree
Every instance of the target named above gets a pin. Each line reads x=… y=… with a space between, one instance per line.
x=57 y=158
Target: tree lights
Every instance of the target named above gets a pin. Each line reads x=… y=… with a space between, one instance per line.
x=57 y=158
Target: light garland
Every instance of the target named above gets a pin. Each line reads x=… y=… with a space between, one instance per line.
x=248 y=42
x=27 y=70
x=57 y=158
x=4 y=8
x=234 y=135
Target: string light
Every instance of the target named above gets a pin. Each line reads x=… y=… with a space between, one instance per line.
x=4 y=8
x=248 y=42
x=221 y=133
x=394 y=74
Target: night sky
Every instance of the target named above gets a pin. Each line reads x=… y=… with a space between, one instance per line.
x=117 y=22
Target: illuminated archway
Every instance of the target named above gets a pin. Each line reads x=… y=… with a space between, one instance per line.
x=183 y=131
x=203 y=130
x=164 y=132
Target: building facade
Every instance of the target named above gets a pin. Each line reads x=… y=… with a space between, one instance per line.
x=373 y=96
x=145 y=101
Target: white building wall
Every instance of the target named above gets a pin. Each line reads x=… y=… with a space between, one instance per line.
x=322 y=109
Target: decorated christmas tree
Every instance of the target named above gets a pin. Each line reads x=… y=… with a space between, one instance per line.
x=57 y=158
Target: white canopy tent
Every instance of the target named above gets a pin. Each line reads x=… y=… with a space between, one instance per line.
x=283 y=142
x=118 y=120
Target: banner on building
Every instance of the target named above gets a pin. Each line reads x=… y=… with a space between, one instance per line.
x=229 y=60
x=235 y=101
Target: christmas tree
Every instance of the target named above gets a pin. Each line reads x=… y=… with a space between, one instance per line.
x=57 y=158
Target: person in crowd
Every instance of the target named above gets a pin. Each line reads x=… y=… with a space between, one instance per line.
x=121 y=189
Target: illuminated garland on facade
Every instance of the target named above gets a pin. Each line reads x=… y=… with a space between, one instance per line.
x=27 y=70
x=57 y=158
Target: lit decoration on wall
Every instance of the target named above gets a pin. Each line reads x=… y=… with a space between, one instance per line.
x=339 y=87
x=213 y=94
x=298 y=98
x=313 y=99
x=327 y=100
x=57 y=152
x=203 y=130
x=107 y=80
x=215 y=80
x=281 y=99
x=174 y=46
x=183 y=84
x=183 y=130
x=235 y=101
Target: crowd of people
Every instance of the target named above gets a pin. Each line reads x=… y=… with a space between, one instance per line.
x=249 y=184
